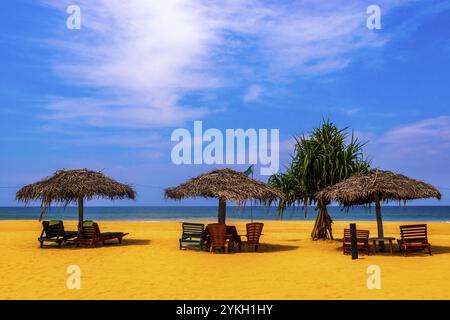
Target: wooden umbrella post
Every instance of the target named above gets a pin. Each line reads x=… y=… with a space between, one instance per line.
x=379 y=222
x=80 y=212
x=222 y=210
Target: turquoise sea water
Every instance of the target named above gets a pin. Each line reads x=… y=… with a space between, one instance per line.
x=390 y=213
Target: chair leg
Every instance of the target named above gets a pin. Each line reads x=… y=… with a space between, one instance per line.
x=429 y=250
x=256 y=247
x=399 y=243
x=211 y=249
x=120 y=240
x=42 y=243
x=59 y=244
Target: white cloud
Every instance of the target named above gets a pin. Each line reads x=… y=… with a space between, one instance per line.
x=414 y=143
x=420 y=150
x=134 y=112
x=350 y=111
x=253 y=93
x=143 y=57
x=424 y=138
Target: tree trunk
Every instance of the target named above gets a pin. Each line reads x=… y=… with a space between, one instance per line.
x=222 y=210
x=322 y=227
x=80 y=212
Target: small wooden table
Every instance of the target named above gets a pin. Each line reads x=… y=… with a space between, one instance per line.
x=384 y=239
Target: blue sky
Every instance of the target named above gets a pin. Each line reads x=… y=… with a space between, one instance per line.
x=108 y=96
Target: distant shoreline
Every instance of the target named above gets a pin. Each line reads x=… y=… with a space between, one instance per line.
x=234 y=220
x=209 y=213
x=230 y=206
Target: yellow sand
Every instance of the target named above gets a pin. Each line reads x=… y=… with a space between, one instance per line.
x=149 y=266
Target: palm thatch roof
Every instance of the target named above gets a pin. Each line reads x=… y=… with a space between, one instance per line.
x=66 y=186
x=365 y=188
x=225 y=184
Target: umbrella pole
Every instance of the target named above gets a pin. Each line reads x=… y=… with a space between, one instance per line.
x=379 y=222
x=80 y=212
x=222 y=210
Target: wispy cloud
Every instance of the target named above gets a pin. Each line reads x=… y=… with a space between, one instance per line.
x=143 y=57
x=350 y=111
x=253 y=93
x=420 y=150
x=419 y=143
x=429 y=136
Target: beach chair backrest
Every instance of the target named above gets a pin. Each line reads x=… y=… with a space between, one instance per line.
x=193 y=230
x=90 y=231
x=54 y=229
x=414 y=233
x=218 y=232
x=254 y=231
x=361 y=235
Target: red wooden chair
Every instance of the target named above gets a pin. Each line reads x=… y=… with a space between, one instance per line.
x=218 y=237
x=413 y=237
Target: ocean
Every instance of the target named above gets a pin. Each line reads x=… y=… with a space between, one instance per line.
x=389 y=213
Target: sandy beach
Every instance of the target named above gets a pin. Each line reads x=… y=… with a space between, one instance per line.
x=148 y=265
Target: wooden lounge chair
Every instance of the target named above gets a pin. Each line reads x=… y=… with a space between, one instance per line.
x=254 y=232
x=90 y=234
x=413 y=237
x=362 y=239
x=53 y=231
x=192 y=233
x=218 y=237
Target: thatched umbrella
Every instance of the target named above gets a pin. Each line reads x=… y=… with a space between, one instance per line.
x=377 y=186
x=68 y=186
x=225 y=184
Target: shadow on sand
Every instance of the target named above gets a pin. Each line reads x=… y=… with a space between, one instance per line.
x=435 y=250
x=263 y=248
x=268 y=247
x=110 y=244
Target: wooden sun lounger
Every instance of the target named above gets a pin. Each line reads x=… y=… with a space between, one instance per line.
x=54 y=232
x=192 y=233
x=362 y=239
x=413 y=237
x=91 y=235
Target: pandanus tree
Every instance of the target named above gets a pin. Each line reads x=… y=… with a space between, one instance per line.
x=322 y=158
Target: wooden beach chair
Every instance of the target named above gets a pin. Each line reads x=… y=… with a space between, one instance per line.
x=90 y=234
x=413 y=237
x=192 y=233
x=53 y=231
x=362 y=239
x=254 y=232
x=218 y=237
